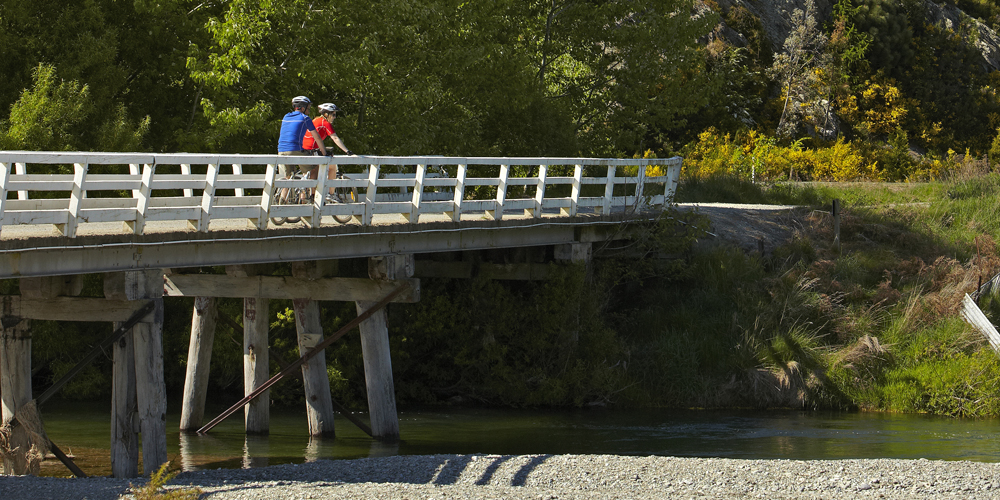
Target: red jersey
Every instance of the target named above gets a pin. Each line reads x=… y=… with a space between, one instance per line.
x=325 y=130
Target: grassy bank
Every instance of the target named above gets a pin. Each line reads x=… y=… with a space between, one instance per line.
x=874 y=326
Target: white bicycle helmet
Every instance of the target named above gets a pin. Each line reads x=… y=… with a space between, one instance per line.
x=300 y=101
x=328 y=107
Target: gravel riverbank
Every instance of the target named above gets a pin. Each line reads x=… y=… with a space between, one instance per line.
x=557 y=476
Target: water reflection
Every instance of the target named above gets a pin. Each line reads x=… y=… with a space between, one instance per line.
x=196 y=450
x=782 y=434
x=382 y=449
x=256 y=451
x=185 y=451
x=313 y=448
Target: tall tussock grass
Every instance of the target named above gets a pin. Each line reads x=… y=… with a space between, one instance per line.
x=873 y=326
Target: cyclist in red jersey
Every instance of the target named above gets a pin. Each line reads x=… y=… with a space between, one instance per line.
x=324 y=128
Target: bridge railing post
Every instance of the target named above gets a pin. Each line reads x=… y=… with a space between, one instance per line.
x=609 y=191
x=418 y=192
x=20 y=169
x=4 y=180
x=543 y=171
x=456 y=211
x=640 y=201
x=497 y=212
x=373 y=171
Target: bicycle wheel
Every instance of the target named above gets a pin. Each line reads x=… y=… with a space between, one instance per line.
x=344 y=195
x=297 y=196
x=276 y=200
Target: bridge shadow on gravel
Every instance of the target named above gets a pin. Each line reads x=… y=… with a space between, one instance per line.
x=439 y=470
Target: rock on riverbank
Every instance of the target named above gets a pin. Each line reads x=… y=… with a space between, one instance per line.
x=558 y=476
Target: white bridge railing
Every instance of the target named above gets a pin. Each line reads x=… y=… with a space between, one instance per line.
x=73 y=189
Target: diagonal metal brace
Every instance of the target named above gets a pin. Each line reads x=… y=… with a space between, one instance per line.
x=305 y=357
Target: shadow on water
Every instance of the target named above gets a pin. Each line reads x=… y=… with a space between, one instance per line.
x=456 y=434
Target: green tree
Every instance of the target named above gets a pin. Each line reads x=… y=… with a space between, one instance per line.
x=129 y=55
x=47 y=116
x=888 y=24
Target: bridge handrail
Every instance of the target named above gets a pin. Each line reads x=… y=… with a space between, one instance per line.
x=409 y=186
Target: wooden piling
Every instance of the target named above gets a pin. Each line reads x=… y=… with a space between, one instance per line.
x=319 y=404
x=375 y=350
x=15 y=387
x=256 y=370
x=306 y=357
x=151 y=390
x=378 y=374
x=124 y=409
x=147 y=347
x=255 y=363
x=203 y=321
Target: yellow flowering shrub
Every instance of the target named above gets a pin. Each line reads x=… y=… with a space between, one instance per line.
x=752 y=154
x=841 y=162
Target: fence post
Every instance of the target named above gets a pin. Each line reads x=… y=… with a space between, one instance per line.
x=207 y=198
x=836 y=224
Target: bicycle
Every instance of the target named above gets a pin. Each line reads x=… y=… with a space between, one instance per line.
x=292 y=196
x=342 y=194
x=303 y=196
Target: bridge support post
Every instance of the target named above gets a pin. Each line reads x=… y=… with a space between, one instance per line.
x=257 y=417
x=256 y=367
x=375 y=350
x=203 y=320
x=319 y=402
x=150 y=408
x=124 y=401
x=124 y=410
x=15 y=387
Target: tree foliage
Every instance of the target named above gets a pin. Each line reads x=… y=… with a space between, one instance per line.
x=434 y=77
x=802 y=71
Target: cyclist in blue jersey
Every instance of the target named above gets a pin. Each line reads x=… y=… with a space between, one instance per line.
x=294 y=127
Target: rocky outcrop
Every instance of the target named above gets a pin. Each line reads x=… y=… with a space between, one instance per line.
x=974 y=31
x=775 y=17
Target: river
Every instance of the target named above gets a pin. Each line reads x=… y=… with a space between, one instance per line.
x=82 y=429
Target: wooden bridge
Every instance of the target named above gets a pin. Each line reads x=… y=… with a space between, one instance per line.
x=150 y=223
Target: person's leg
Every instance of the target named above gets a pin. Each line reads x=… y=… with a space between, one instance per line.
x=331 y=173
x=285 y=171
x=313 y=174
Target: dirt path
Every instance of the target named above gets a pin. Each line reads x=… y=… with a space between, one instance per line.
x=750 y=226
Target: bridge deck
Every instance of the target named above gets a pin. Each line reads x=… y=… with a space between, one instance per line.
x=207 y=217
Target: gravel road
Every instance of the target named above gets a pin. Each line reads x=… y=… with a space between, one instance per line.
x=558 y=476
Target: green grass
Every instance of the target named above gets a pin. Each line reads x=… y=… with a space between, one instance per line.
x=875 y=326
